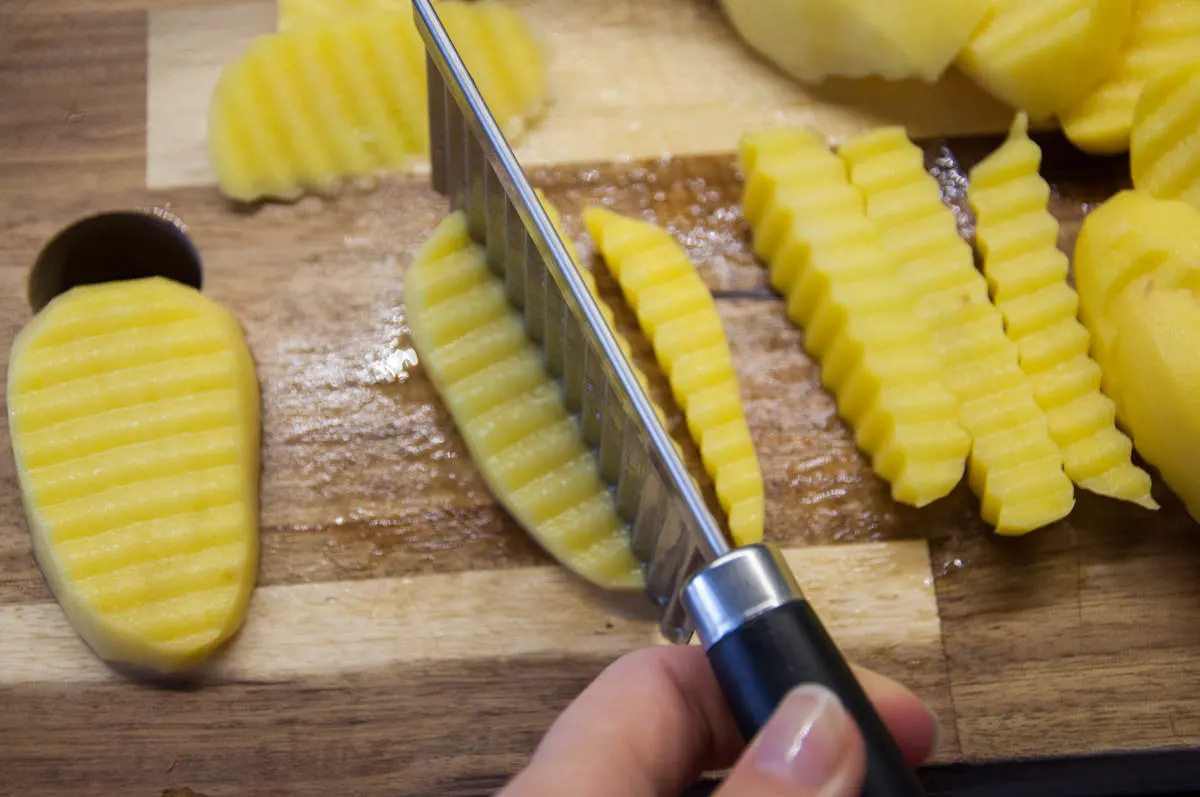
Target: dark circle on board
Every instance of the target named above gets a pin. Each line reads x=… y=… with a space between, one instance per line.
x=110 y=247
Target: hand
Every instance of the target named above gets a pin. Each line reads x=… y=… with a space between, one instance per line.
x=655 y=720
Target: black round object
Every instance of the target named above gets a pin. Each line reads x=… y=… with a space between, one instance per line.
x=110 y=247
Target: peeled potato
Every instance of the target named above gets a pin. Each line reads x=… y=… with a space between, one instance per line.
x=1043 y=56
x=511 y=410
x=893 y=39
x=677 y=313
x=1156 y=360
x=1131 y=236
x=134 y=413
x=1164 y=151
x=841 y=285
x=1027 y=272
x=1163 y=34
x=341 y=97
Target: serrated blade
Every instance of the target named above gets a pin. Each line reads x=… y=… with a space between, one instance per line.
x=672 y=531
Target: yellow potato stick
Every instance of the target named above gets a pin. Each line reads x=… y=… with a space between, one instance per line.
x=1164 y=150
x=1163 y=35
x=134 y=415
x=842 y=287
x=1014 y=466
x=1027 y=274
x=605 y=310
x=1043 y=56
x=677 y=313
x=306 y=109
x=510 y=410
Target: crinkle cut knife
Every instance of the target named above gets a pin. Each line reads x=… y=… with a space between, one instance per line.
x=760 y=634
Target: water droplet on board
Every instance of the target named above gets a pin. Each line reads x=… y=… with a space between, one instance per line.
x=393 y=367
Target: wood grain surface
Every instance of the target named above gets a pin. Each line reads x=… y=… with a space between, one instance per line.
x=406 y=636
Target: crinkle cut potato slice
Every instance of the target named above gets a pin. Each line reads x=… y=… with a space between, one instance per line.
x=1043 y=56
x=134 y=413
x=1018 y=238
x=510 y=410
x=1164 y=151
x=342 y=97
x=1156 y=359
x=842 y=287
x=676 y=312
x=1013 y=466
x=1130 y=236
x=1163 y=35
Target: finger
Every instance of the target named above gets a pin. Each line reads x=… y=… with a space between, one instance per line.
x=649 y=725
x=913 y=727
x=810 y=747
x=655 y=720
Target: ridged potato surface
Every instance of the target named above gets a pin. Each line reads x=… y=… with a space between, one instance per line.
x=1018 y=238
x=1163 y=35
x=679 y=317
x=134 y=414
x=1013 y=466
x=510 y=410
x=842 y=287
x=344 y=98
x=1043 y=56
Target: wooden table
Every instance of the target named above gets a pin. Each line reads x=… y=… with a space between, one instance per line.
x=406 y=636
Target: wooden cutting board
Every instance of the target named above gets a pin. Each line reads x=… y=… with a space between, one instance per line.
x=406 y=636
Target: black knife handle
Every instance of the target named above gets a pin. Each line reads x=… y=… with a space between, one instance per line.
x=760 y=662
x=763 y=640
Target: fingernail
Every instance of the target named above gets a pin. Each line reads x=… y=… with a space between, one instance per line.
x=806 y=740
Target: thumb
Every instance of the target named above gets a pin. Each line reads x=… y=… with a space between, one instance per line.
x=810 y=747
